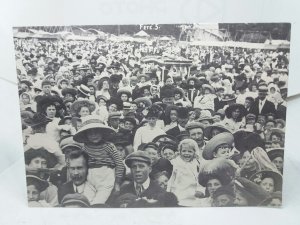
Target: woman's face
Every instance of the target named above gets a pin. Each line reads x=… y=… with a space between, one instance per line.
x=240 y=200
x=128 y=125
x=112 y=108
x=278 y=162
x=124 y=97
x=212 y=186
x=162 y=181
x=267 y=184
x=51 y=111
x=152 y=121
x=177 y=97
x=146 y=92
x=24 y=87
x=93 y=136
x=187 y=154
x=102 y=102
x=33 y=193
x=248 y=160
x=272 y=90
x=84 y=111
x=222 y=151
x=235 y=113
x=269 y=125
x=275 y=138
x=173 y=115
x=63 y=85
x=168 y=154
x=153 y=154
x=38 y=163
x=25 y=99
x=105 y=85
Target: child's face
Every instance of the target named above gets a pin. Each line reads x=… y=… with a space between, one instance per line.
x=33 y=193
x=162 y=181
x=102 y=102
x=25 y=99
x=187 y=153
x=168 y=154
x=222 y=151
x=153 y=154
x=93 y=136
x=212 y=186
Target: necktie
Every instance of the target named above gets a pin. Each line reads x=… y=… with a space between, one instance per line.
x=76 y=190
x=139 y=190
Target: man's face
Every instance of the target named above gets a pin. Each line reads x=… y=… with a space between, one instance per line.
x=46 y=89
x=197 y=135
x=182 y=121
x=78 y=170
x=140 y=171
x=114 y=122
x=247 y=103
x=168 y=154
x=128 y=125
x=262 y=95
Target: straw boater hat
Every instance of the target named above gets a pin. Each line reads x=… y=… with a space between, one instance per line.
x=277 y=178
x=91 y=122
x=218 y=126
x=229 y=97
x=84 y=90
x=39 y=183
x=78 y=104
x=139 y=76
x=212 y=144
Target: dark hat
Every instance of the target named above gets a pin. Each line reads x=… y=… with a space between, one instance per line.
x=39 y=183
x=45 y=82
x=46 y=100
x=233 y=107
x=195 y=79
x=143 y=88
x=217 y=140
x=182 y=135
x=115 y=78
x=150 y=145
x=145 y=100
x=224 y=190
x=71 y=91
x=78 y=104
x=193 y=125
x=123 y=91
x=140 y=156
x=229 y=97
x=101 y=97
x=220 y=127
x=183 y=112
x=251 y=191
x=219 y=168
x=209 y=87
x=277 y=178
x=130 y=119
x=164 y=138
x=154 y=111
x=32 y=153
x=273 y=153
x=245 y=140
x=115 y=101
x=37 y=120
x=75 y=199
x=27 y=82
x=167 y=91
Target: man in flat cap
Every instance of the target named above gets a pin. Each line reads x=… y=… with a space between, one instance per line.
x=139 y=163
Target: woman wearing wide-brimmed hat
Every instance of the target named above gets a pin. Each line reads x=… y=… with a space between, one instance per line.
x=105 y=164
x=215 y=174
x=35 y=186
x=276 y=155
x=235 y=117
x=124 y=94
x=103 y=87
x=82 y=108
x=214 y=129
x=270 y=181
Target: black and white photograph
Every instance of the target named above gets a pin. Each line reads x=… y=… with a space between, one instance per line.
x=153 y=115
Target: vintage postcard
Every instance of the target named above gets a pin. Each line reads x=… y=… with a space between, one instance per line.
x=153 y=115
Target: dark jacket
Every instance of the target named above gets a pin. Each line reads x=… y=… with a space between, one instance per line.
x=268 y=107
x=66 y=188
x=219 y=104
x=152 y=192
x=174 y=131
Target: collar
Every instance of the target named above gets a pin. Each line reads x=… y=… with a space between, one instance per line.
x=80 y=188
x=145 y=185
x=263 y=101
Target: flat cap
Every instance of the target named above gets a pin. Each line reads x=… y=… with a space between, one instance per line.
x=140 y=156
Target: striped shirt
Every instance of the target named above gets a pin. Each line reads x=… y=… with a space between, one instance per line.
x=105 y=154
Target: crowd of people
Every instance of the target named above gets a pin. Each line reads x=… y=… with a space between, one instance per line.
x=103 y=128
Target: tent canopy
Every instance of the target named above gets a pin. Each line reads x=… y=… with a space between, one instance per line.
x=141 y=34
